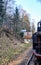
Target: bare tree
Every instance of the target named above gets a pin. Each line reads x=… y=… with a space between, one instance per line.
x=33 y=27
x=9 y=10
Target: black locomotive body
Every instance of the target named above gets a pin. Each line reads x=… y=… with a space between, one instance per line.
x=36 y=37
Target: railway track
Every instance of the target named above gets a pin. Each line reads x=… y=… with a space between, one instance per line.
x=31 y=60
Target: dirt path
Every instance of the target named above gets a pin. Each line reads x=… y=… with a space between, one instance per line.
x=20 y=58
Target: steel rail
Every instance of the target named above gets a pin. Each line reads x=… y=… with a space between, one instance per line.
x=28 y=62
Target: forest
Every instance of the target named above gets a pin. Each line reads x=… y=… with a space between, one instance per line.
x=13 y=18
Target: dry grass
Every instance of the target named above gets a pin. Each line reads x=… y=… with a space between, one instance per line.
x=9 y=51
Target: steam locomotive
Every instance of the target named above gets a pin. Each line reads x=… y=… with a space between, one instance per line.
x=36 y=37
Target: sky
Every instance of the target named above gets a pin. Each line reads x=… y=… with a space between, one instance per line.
x=33 y=7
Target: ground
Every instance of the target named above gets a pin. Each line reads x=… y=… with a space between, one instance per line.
x=12 y=49
x=22 y=58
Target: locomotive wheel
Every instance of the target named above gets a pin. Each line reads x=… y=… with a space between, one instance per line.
x=35 y=61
